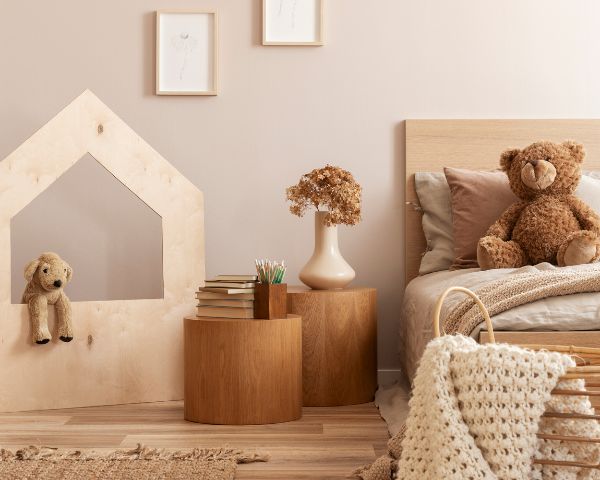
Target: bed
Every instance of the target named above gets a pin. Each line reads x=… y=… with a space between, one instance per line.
x=432 y=145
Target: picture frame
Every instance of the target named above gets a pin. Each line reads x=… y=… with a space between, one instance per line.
x=293 y=22
x=186 y=52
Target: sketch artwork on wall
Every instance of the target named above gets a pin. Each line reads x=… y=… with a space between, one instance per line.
x=293 y=22
x=186 y=53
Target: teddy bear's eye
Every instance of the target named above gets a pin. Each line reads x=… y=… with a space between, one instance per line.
x=45 y=270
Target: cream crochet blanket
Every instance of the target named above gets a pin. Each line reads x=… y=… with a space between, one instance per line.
x=475 y=413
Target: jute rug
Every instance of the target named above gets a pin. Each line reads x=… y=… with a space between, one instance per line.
x=141 y=463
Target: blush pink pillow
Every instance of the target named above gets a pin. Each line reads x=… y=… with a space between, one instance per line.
x=478 y=199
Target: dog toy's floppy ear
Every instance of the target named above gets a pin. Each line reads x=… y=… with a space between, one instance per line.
x=30 y=269
x=69 y=272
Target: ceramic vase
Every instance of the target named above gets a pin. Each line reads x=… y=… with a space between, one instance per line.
x=326 y=269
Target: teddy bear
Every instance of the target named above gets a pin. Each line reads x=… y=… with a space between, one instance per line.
x=46 y=278
x=548 y=223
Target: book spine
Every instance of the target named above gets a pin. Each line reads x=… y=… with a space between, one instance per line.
x=224 y=312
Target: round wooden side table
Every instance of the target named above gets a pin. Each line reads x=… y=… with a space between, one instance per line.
x=242 y=372
x=339 y=344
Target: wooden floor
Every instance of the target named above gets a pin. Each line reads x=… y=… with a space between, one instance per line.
x=328 y=442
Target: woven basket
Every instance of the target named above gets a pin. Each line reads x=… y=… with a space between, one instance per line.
x=588 y=369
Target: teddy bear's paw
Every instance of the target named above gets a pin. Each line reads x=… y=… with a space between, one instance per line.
x=492 y=252
x=584 y=248
x=64 y=338
x=484 y=257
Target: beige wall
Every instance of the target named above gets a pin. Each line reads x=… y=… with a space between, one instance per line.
x=282 y=111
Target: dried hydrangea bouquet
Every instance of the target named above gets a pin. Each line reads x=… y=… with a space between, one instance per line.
x=335 y=195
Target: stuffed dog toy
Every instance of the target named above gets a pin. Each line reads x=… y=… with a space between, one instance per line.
x=46 y=277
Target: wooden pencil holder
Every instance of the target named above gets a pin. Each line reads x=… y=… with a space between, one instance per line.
x=270 y=300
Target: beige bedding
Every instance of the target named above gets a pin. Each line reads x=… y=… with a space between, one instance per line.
x=571 y=312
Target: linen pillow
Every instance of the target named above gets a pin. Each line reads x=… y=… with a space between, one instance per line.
x=434 y=198
x=478 y=199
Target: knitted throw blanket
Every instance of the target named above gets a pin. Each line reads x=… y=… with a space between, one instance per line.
x=525 y=285
x=475 y=414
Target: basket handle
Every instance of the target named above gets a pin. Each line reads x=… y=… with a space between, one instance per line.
x=473 y=295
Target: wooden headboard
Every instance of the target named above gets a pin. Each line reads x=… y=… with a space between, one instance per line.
x=432 y=145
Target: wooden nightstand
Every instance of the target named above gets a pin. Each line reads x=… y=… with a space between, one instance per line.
x=242 y=372
x=339 y=344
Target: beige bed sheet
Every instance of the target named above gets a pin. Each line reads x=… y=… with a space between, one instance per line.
x=569 y=312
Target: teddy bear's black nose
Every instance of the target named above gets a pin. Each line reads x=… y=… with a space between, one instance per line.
x=58 y=283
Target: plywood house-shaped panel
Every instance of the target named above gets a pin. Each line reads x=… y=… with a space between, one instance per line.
x=124 y=351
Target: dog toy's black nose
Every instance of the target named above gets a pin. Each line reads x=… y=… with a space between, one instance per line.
x=58 y=283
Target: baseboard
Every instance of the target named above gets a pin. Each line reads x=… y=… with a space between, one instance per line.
x=387 y=377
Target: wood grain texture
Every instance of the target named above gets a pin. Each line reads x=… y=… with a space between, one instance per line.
x=270 y=300
x=136 y=348
x=339 y=344
x=325 y=443
x=432 y=145
x=242 y=372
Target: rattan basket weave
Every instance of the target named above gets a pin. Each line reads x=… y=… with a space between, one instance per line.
x=588 y=369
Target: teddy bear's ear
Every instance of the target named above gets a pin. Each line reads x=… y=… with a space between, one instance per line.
x=576 y=150
x=30 y=269
x=69 y=272
x=507 y=157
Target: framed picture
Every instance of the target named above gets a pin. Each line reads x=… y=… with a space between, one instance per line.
x=186 y=53
x=293 y=22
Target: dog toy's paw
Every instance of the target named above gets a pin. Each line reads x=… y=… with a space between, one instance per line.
x=65 y=333
x=42 y=336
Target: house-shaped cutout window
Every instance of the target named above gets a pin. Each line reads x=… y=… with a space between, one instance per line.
x=110 y=237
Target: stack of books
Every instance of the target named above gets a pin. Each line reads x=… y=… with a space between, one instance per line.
x=227 y=296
